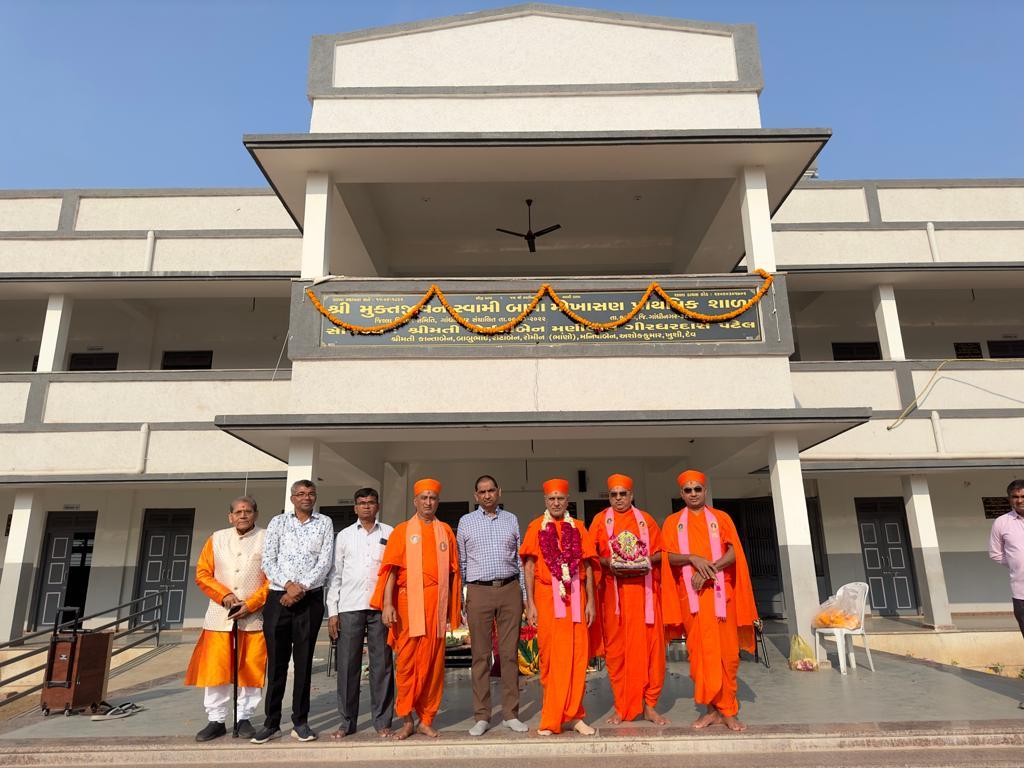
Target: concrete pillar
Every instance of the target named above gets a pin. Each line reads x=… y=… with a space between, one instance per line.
x=756 y=214
x=316 y=226
x=887 y=318
x=931 y=580
x=303 y=461
x=799 y=582
x=396 y=493
x=53 y=346
x=23 y=549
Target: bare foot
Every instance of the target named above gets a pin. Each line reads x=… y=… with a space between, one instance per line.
x=583 y=729
x=385 y=733
x=545 y=732
x=614 y=719
x=652 y=716
x=732 y=723
x=405 y=731
x=710 y=718
x=338 y=735
x=426 y=730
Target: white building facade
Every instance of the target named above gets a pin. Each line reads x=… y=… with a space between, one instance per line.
x=161 y=352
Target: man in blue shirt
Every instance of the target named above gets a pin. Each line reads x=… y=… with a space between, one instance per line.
x=298 y=551
x=488 y=540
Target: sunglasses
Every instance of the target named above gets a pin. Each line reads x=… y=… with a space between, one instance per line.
x=696 y=489
x=618 y=494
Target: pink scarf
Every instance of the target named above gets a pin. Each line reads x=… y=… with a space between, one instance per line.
x=645 y=537
x=716 y=553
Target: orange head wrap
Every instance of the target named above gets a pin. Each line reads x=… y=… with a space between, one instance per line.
x=556 y=485
x=624 y=480
x=694 y=475
x=426 y=484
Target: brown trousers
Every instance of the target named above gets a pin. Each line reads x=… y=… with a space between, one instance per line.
x=503 y=605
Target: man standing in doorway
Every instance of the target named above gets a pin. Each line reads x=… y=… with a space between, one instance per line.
x=297 y=554
x=488 y=540
x=228 y=572
x=1006 y=546
x=708 y=595
x=628 y=542
x=358 y=551
x=419 y=593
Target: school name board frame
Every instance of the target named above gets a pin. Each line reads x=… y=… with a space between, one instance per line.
x=656 y=330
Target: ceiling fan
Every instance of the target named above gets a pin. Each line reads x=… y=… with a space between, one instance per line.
x=530 y=236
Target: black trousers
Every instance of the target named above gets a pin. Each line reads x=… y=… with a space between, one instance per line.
x=1018 y=613
x=353 y=626
x=290 y=634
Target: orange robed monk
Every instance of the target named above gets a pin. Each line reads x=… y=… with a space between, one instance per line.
x=628 y=543
x=422 y=560
x=558 y=560
x=708 y=595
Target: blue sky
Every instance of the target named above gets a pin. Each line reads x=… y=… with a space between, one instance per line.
x=156 y=93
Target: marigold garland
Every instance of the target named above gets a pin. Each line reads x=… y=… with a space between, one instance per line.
x=545 y=289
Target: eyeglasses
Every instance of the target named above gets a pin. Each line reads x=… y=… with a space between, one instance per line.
x=618 y=494
x=367 y=503
x=311 y=495
x=696 y=489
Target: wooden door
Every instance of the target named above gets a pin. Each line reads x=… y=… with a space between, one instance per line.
x=888 y=568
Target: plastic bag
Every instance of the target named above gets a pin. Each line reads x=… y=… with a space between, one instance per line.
x=801 y=657
x=838 y=611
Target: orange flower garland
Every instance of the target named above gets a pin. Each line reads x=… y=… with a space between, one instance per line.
x=545 y=289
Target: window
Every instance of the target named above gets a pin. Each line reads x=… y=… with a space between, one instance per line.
x=995 y=506
x=188 y=360
x=856 y=350
x=93 y=361
x=968 y=350
x=1006 y=348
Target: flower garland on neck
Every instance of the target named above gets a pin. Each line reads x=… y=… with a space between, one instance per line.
x=562 y=560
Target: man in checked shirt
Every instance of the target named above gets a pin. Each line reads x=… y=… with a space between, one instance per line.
x=488 y=540
x=298 y=551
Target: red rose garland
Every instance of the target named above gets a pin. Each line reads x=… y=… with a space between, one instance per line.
x=563 y=561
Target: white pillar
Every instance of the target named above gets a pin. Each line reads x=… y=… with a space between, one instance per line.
x=303 y=461
x=396 y=495
x=23 y=549
x=799 y=582
x=887 y=318
x=53 y=346
x=756 y=213
x=316 y=226
x=931 y=579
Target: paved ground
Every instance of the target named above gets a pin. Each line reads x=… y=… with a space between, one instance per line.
x=900 y=690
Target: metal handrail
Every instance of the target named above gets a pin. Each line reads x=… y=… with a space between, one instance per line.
x=156 y=607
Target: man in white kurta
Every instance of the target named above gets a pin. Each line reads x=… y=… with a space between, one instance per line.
x=229 y=573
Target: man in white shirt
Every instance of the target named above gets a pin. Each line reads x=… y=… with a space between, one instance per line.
x=357 y=555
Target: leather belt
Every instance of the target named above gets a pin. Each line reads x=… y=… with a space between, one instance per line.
x=495 y=582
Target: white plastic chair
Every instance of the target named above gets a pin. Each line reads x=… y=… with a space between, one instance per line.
x=859 y=591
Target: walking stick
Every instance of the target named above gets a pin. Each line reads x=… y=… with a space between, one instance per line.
x=234 y=676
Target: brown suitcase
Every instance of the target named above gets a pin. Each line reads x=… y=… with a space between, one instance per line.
x=77 y=668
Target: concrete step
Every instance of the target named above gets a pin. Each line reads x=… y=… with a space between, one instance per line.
x=755 y=746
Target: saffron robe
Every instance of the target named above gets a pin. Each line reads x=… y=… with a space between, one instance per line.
x=564 y=645
x=212 y=659
x=634 y=651
x=419 y=661
x=712 y=644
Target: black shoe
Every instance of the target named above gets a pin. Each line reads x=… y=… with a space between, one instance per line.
x=211 y=731
x=245 y=729
x=266 y=734
x=303 y=733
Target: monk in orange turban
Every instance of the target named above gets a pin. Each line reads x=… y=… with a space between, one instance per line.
x=558 y=562
x=421 y=559
x=708 y=596
x=628 y=543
